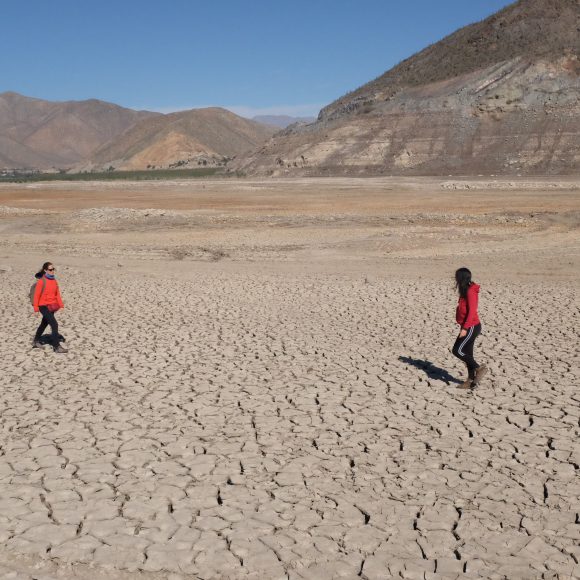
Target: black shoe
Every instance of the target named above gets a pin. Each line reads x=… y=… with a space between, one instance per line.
x=37 y=344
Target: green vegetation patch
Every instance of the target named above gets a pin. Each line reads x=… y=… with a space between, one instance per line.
x=144 y=175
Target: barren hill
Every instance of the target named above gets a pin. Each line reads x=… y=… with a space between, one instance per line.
x=281 y=121
x=187 y=138
x=499 y=96
x=40 y=134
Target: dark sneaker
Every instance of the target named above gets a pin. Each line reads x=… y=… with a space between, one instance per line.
x=37 y=344
x=60 y=349
x=479 y=374
x=465 y=384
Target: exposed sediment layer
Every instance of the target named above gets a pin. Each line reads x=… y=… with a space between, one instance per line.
x=516 y=117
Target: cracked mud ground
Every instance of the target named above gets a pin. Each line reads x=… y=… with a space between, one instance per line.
x=264 y=389
x=268 y=426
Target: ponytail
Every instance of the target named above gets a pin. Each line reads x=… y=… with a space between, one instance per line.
x=42 y=272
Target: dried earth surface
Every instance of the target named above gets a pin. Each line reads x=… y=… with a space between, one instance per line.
x=259 y=383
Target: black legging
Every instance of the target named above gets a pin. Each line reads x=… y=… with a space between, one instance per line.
x=48 y=318
x=463 y=349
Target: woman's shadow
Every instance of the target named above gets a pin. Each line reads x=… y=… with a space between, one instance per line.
x=430 y=369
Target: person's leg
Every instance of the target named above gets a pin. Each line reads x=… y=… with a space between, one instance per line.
x=461 y=342
x=480 y=370
x=466 y=349
x=55 y=337
x=463 y=350
x=43 y=324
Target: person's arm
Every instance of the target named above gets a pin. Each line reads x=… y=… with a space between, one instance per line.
x=470 y=312
x=472 y=303
x=58 y=297
x=37 y=293
x=463 y=330
x=467 y=309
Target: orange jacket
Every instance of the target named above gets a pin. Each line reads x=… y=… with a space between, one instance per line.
x=50 y=295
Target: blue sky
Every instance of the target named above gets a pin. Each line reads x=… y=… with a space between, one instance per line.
x=251 y=56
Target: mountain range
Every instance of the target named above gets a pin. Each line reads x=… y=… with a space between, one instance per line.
x=95 y=135
x=40 y=134
x=207 y=137
x=498 y=96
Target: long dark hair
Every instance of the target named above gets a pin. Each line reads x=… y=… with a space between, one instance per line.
x=463 y=281
x=42 y=272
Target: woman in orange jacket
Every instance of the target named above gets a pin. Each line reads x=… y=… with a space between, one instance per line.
x=47 y=301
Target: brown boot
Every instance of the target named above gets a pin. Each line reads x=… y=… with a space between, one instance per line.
x=480 y=372
x=466 y=384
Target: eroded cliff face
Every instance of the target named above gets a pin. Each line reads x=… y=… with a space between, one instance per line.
x=513 y=117
x=500 y=96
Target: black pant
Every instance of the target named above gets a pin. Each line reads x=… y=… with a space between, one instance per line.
x=463 y=349
x=48 y=318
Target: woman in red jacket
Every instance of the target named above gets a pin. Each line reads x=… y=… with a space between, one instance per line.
x=467 y=317
x=47 y=301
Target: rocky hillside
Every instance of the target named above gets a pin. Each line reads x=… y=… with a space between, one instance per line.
x=498 y=96
x=192 y=138
x=282 y=121
x=39 y=134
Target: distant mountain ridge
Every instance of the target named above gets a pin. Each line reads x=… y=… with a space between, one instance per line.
x=39 y=134
x=83 y=135
x=282 y=121
x=498 y=96
x=191 y=138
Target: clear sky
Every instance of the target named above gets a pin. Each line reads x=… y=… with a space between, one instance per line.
x=251 y=56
